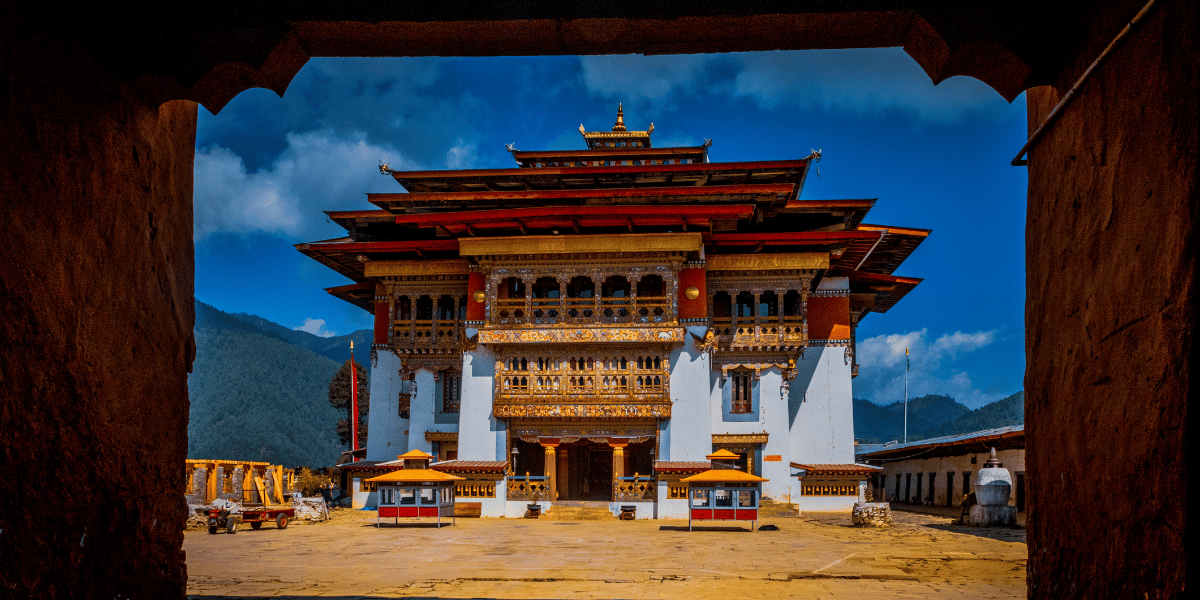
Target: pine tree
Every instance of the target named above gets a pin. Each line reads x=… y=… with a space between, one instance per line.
x=339 y=398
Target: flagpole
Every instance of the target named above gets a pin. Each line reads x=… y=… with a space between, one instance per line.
x=353 y=400
x=905 y=394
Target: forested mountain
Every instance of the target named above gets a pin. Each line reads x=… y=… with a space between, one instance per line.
x=932 y=416
x=333 y=348
x=260 y=391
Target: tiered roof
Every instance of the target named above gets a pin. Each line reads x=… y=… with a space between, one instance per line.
x=622 y=184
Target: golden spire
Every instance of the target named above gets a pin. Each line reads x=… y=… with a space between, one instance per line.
x=620 y=126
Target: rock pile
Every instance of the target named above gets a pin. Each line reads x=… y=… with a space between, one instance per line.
x=871 y=514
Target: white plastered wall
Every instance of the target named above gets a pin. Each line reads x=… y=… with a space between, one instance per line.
x=387 y=433
x=480 y=436
x=421 y=412
x=687 y=435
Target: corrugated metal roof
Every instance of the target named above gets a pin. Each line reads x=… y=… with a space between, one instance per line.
x=470 y=465
x=837 y=469
x=668 y=466
x=867 y=450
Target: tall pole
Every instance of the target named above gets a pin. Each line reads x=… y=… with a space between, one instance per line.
x=905 y=392
x=354 y=400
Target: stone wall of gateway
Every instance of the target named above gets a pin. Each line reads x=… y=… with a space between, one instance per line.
x=96 y=268
x=1111 y=251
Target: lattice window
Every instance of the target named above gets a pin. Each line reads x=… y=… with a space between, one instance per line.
x=451 y=391
x=741 y=388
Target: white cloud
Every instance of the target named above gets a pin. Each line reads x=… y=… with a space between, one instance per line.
x=317 y=171
x=316 y=327
x=639 y=79
x=857 y=81
x=881 y=360
x=461 y=155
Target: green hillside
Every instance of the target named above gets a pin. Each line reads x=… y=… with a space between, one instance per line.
x=932 y=416
x=260 y=393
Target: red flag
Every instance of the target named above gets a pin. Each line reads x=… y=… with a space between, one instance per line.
x=353 y=401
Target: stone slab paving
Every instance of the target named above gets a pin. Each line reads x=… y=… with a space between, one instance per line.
x=817 y=556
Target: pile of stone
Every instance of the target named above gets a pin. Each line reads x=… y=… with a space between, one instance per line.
x=871 y=514
x=310 y=509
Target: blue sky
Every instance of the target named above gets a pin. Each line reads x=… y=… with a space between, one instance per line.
x=936 y=157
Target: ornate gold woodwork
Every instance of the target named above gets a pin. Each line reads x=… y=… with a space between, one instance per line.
x=411 y=337
x=597 y=431
x=756 y=363
x=578 y=244
x=582 y=376
x=626 y=410
x=657 y=335
x=738 y=439
x=441 y=436
x=780 y=333
x=473 y=488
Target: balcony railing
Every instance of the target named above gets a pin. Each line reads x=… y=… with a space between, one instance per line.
x=426 y=333
x=581 y=311
x=528 y=488
x=769 y=332
x=638 y=488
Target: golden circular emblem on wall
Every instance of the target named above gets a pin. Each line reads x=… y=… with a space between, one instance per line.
x=692 y=292
x=478 y=296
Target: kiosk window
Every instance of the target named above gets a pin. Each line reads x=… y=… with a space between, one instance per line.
x=408 y=497
x=447 y=495
x=428 y=496
x=387 y=495
x=724 y=498
x=700 y=498
x=746 y=498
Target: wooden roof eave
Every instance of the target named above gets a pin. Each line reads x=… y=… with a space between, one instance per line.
x=797 y=167
x=772 y=193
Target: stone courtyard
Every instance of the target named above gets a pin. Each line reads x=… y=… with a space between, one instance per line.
x=816 y=556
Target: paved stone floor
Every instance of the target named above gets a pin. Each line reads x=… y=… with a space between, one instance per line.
x=817 y=556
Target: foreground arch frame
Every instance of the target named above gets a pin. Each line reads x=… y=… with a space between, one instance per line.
x=97 y=134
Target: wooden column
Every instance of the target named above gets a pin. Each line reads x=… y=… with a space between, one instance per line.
x=551 y=464
x=618 y=459
x=561 y=475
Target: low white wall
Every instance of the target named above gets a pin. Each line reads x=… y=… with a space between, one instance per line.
x=489 y=507
x=360 y=498
x=515 y=509
x=645 y=510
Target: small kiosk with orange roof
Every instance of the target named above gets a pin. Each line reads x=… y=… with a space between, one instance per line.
x=415 y=490
x=723 y=493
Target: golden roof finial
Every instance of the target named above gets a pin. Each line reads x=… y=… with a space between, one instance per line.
x=620 y=126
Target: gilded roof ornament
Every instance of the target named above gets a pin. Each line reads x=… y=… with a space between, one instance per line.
x=620 y=124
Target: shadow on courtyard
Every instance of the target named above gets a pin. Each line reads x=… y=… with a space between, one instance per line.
x=1000 y=534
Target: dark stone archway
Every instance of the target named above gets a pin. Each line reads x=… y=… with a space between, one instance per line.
x=96 y=150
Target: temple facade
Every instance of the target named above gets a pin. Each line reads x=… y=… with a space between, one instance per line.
x=591 y=324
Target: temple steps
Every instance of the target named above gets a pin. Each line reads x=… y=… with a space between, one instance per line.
x=579 y=511
x=770 y=509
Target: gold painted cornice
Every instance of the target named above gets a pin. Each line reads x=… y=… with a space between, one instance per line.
x=578 y=244
x=441 y=436
x=720 y=439
x=662 y=335
x=508 y=411
x=767 y=262
x=404 y=268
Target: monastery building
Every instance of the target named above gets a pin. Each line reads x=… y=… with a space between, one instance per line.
x=590 y=325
